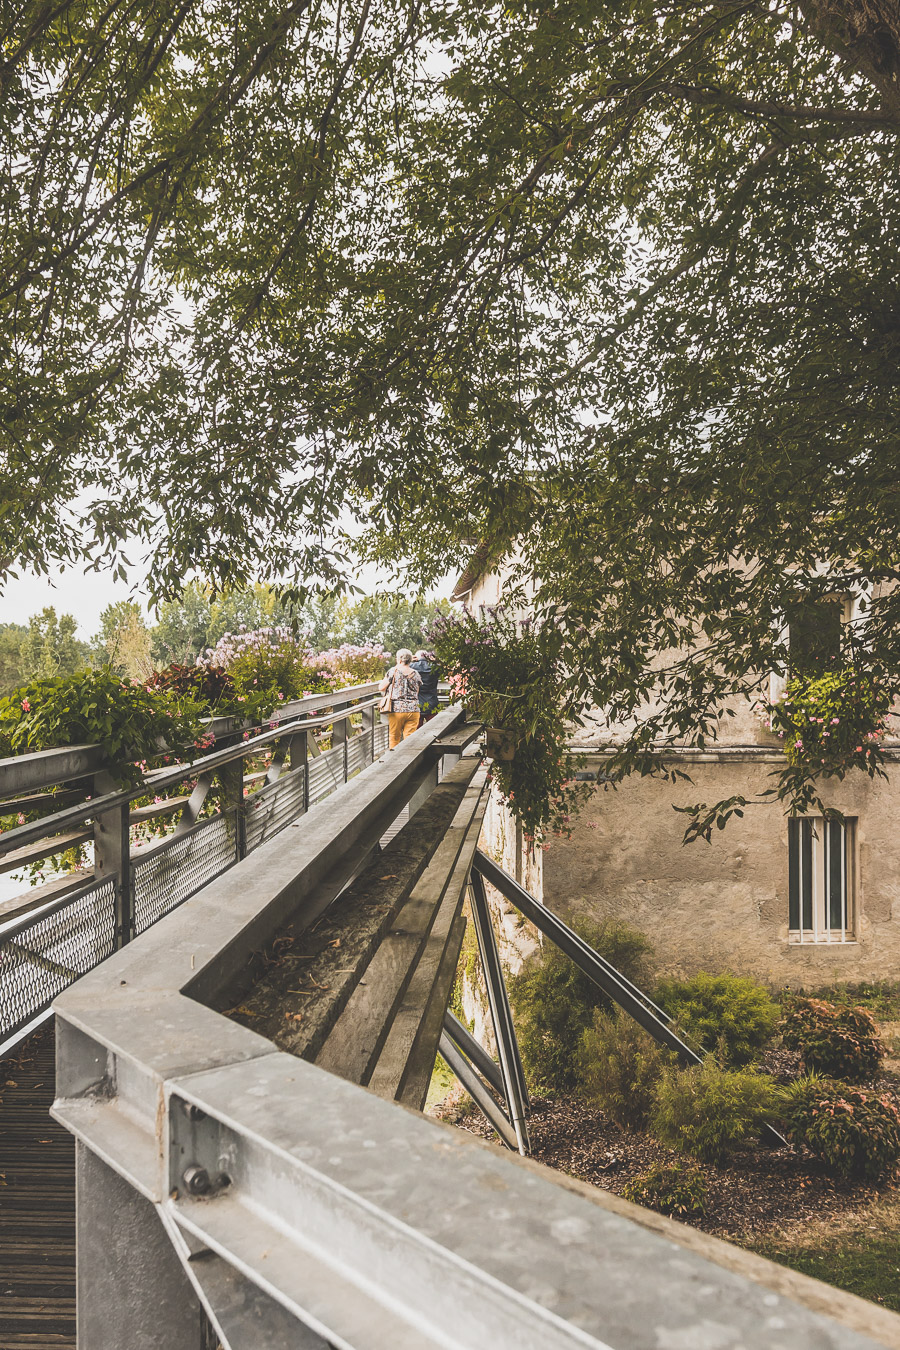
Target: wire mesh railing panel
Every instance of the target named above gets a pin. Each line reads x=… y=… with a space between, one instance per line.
x=358 y=753
x=326 y=772
x=40 y=960
x=274 y=807
x=381 y=739
x=177 y=869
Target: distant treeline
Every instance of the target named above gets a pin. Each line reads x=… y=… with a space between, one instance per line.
x=134 y=647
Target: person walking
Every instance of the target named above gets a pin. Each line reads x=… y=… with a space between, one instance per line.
x=400 y=687
x=423 y=662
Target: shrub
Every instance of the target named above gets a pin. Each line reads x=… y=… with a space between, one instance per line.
x=554 y=1002
x=857 y=1133
x=833 y=1039
x=269 y=660
x=721 y=1010
x=354 y=664
x=708 y=1111
x=672 y=1188
x=832 y=722
x=620 y=1068
x=205 y=684
x=129 y=722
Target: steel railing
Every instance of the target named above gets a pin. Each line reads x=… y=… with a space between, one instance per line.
x=53 y=934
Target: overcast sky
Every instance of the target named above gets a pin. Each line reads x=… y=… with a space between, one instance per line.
x=82 y=593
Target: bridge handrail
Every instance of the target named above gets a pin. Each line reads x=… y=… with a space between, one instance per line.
x=305 y=1209
x=47 y=768
x=21 y=835
x=52 y=933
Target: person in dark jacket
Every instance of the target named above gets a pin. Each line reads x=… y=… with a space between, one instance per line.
x=423 y=662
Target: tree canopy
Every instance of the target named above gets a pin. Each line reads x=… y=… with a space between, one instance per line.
x=619 y=282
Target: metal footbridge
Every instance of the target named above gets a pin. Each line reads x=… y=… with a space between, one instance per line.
x=282 y=1191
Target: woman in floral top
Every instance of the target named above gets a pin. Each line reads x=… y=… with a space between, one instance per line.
x=403 y=683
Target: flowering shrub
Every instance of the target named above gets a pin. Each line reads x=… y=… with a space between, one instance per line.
x=833 y=1038
x=857 y=1133
x=721 y=1012
x=833 y=722
x=671 y=1188
x=708 y=1111
x=271 y=661
x=352 y=664
x=129 y=722
x=508 y=671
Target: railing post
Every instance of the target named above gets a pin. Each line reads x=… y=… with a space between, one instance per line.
x=368 y=730
x=339 y=731
x=132 y=1290
x=231 y=778
x=299 y=756
x=112 y=855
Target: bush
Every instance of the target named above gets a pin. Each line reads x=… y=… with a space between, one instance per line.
x=555 y=1003
x=708 y=1111
x=620 y=1068
x=833 y=722
x=833 y=1039
x=721 y=1011
x=352 y=664
x=205 y=684
x=94 y=706
x=271 y=661
x=856 y=1133
x=671 y=1188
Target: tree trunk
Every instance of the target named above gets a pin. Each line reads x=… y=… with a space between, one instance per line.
x=867 y=34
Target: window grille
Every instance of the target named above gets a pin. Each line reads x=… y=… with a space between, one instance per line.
x=820 y=879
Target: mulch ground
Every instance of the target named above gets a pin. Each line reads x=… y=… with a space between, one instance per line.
x=759 y=1190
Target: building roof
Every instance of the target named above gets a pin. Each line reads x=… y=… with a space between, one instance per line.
x=479 y=563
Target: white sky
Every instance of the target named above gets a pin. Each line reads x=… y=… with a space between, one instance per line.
x=82 y=593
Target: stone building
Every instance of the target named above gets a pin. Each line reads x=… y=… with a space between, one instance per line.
x=791 y=901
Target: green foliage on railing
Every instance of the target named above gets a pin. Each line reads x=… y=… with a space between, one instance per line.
x=507 y=671
x=129 y=723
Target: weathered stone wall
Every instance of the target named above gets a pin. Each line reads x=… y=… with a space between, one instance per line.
x=724 y=905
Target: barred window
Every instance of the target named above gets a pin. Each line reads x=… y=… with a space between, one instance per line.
x=820 y=879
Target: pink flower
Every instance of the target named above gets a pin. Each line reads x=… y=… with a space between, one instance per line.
x=26 y=706
x=834 y=721
x=858 y=750
x=798 y=745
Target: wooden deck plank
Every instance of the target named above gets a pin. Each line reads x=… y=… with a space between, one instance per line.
x=37 y=1204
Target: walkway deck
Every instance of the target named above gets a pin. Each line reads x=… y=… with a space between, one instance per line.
x=37 y=1204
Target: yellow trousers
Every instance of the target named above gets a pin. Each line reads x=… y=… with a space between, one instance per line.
x=401 y=725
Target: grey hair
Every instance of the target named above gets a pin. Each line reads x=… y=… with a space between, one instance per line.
x=421 y=655
x=403 y=656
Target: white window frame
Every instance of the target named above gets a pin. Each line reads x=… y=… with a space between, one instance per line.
x=813 y=868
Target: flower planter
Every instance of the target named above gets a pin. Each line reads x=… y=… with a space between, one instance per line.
x=499 y=743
